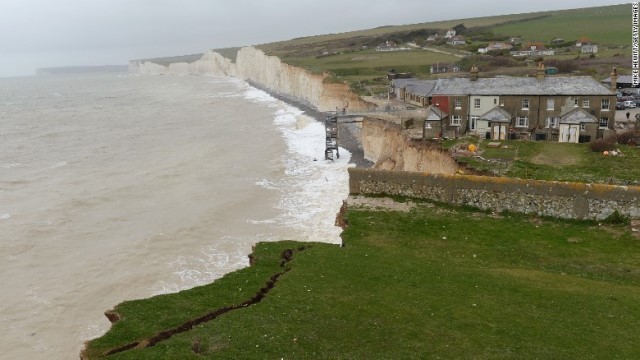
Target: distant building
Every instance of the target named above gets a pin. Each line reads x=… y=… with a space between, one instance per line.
x=589 y=49
x=533 y=49
x=450 y=33
x=457 y=40
x=387 y=46
x=439 y=68
x=390 y=46
x=495 y=47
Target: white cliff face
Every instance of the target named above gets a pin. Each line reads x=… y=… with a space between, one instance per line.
x=268 y=72
x=213 y=64
x=210 y=64
x=272 y=73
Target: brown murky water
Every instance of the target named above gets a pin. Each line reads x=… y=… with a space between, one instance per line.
x=122 y=187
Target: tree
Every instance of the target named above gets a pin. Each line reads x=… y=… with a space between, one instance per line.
x=460 y=29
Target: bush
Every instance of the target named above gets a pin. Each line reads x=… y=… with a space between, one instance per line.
x=627 y=137
x=617 y=219
x=600 y=145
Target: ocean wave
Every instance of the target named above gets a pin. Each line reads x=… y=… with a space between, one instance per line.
x=313 y=189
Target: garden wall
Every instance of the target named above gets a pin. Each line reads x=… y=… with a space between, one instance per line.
x=545 y=198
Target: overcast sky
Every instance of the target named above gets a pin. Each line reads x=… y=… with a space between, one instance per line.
x=45 y=33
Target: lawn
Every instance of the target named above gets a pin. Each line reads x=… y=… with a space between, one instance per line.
x=436 y=282
x=546 y=160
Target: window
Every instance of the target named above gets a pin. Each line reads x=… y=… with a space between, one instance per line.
x=583 y=127
x=550 y=104
x=458 y=103
x=522 y=122
x=552 y=122
x=604 y=122
x=476 y=103
x=495 y=101
x=575 y=102
x=525 y=104
x=456 y=120
x=605 y=104
x=427 y=125
x=585 y=103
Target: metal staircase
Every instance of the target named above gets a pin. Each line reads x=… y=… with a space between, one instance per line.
x=331 y=129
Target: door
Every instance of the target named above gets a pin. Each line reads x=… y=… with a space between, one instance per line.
x=569 y=133
x=499 y=132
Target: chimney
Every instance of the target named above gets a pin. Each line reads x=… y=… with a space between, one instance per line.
x=614 y=80
x=474 y=73
x=540 y=72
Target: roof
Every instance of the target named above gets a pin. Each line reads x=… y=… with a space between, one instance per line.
x=557 y=85
x=577 y=116
x=415 y=86
x=497 y=114
x=435 y=114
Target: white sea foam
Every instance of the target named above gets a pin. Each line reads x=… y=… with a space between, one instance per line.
x=314 y=188
x=5 y=216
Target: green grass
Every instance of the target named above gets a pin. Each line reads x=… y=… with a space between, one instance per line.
x=574 y=24
x=372 y=63
x=438 y=282
x=557 y=161
x=609 y=26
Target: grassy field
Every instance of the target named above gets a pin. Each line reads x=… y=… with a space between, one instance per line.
x=349 y=56
x=546 y=160
x=341 y=41
x=437 y=282
x=574 y=24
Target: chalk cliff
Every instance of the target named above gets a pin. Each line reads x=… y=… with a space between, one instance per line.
x=388 y=148
x=266 y=71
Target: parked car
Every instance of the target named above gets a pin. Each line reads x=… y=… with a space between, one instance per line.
x=619 y=105
x=629 y=104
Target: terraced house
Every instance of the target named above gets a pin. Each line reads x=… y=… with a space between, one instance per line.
x=555 y=108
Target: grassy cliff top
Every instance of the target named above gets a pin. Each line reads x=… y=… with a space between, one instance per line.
x=432 y=282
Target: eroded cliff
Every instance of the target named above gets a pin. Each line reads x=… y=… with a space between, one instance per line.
x=268 y=72
x=388 y=148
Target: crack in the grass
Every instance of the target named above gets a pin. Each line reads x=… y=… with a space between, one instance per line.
x=285 y=257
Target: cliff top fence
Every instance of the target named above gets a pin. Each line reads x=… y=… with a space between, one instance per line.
x=544 y=198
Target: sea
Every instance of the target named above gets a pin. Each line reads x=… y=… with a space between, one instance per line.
x=116 y=187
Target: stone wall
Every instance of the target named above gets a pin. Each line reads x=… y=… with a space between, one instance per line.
x=544 y=198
